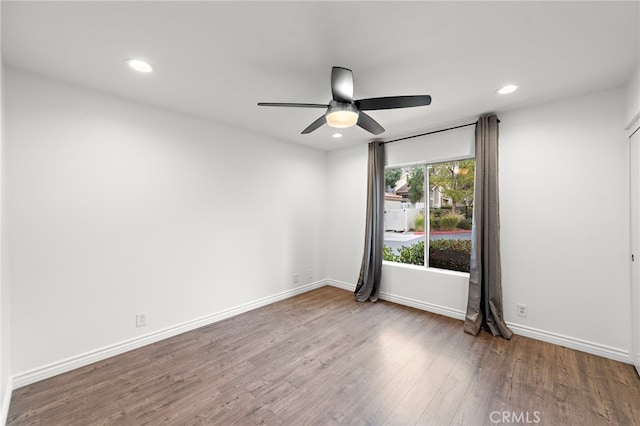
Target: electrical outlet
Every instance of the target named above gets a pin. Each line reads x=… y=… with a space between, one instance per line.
x=141 y=319
x=522 y=310
x=295 y=278
x=310 y=275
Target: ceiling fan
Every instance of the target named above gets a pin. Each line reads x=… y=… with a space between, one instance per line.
x=343 y=111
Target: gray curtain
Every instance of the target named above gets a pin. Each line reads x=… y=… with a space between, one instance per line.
x=368 y=285
x=484 y=306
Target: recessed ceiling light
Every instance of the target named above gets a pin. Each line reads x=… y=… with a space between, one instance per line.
x=140 y=65
x=509 y=88
x=336 y=135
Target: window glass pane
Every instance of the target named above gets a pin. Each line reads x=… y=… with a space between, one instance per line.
x=450 y=214
x=404 y=215
x=446 y=192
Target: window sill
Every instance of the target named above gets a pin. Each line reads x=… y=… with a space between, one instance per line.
x=425 y=268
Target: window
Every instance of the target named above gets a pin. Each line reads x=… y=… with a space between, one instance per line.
x=429 y=205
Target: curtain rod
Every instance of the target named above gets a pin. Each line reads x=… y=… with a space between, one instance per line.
x=430 y=133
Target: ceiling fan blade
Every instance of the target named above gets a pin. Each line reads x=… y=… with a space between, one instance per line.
x=369 y=124
x=293 y=105
x=313 y=126
x=342 y=84
x=391 y=102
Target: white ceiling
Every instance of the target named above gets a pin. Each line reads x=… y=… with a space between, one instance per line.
x=218 y=59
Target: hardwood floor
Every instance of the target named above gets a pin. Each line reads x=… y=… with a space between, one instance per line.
x=320 y=358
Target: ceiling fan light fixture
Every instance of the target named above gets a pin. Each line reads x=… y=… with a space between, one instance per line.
x=342 y=118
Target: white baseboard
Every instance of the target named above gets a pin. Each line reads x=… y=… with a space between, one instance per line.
x=87 y=358
x=401 y=300
x=6 y=401
x=82 y=360
x=593 y=348
x=341 y=284
x=424 y=306
x=598 y=349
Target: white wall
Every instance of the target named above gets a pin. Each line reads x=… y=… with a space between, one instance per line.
x=432 y=148
x=5 y=380
x=564 y=212
x=632 y=112
x=345 y=210
x=564 y=204
x=115 y=207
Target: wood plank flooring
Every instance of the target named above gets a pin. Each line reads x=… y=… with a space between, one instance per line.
x=320 y=359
